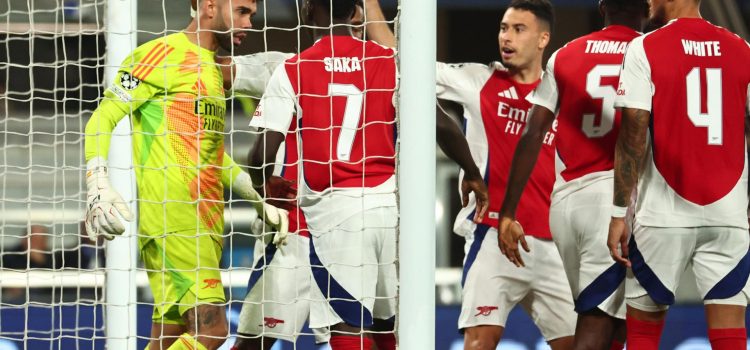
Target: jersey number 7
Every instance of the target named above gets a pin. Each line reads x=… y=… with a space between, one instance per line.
x=352 y=115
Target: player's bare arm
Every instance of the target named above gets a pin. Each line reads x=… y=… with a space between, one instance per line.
x=377 y=28
x=630 y=154
x=453 y=143
x=262 y=156
x=529 y=145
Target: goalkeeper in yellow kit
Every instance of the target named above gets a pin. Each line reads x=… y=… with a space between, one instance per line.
x=172 y=88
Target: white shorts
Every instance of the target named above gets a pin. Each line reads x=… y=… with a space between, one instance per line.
x=492 y=285
x=659 y=256
x=277 y=303
x=580 y=227
x=354 y=270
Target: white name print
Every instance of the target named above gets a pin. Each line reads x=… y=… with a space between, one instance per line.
x=701 y=48
x=606 y=47
x=342 y=64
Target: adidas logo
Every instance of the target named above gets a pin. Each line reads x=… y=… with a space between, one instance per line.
x=510 y=93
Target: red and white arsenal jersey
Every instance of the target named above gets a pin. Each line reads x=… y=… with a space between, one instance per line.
x=496 y=109
x=580 y=86
x=342 y=90
x=693 y=78
x=289 y=171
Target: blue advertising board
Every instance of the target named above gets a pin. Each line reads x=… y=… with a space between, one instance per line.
x=81 y=327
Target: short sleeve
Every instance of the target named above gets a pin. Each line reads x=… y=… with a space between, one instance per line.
x=456 y=82
x=636 y=89
x=546 y=93
x=277 y=107
x=252 y=72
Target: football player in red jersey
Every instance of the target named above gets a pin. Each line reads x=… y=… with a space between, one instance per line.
x=684 y=97
x=277 y=303
x=578 y=92
x=342 y=90
x=495 y=112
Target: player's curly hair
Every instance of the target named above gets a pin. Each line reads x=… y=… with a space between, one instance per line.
x=340 y=9
x=542 y=9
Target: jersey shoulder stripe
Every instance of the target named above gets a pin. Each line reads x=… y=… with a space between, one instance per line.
x=154 y=58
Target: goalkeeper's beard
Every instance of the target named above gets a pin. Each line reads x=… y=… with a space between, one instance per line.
x=223 y=35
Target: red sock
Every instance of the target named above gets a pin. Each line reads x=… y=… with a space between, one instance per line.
x=643 y=335
x=348 y=342
x=616 y=345
x=384 y=341
x=727 y=338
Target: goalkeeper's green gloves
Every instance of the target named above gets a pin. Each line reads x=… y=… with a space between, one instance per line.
x=275 y=219
x=104 y=203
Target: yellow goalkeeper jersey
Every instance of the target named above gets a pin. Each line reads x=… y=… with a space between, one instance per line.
x=174 y=92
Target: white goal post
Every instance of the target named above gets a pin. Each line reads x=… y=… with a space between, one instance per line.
x=417 y=54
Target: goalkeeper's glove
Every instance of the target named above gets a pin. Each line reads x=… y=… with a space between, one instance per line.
x=267 y=234
x=103 y=201
x=277 y=219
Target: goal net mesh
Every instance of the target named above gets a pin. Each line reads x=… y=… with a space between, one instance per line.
x=53 y=278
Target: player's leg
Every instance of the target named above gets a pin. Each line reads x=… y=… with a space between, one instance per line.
x=163 y=335
x=659 y=256
x=276 y=305
x=166 y=323
x=492 y=286
x=385 y=305
x=345 y=267
x=194 y=288
x=550 y=303
x=580 y=225
x=384 y=334
x=721 y=265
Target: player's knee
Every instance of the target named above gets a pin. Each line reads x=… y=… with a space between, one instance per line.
x=481 y=338
x=591 y=343
x=482 y=343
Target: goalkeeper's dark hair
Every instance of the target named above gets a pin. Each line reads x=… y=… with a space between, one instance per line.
x=542 y=9
x=626 y=6
x=339 y=9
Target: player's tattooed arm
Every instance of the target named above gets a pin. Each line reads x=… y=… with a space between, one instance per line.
x=524 y=159
x=453 y=143
x=630 y=153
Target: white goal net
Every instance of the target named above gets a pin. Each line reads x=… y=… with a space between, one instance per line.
x=61 y=290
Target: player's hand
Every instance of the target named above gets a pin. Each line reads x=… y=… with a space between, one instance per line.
x=281 y=192
x=481 y=196
x=104 y=204
x=510 y=233
x=618 y=238
x=276 y=219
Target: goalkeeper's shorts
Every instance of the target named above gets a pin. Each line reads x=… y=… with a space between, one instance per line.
x=183 y=271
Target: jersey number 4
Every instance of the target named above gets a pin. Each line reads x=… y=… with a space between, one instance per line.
x=607 y=94
x=352 y=115
x=713 y=119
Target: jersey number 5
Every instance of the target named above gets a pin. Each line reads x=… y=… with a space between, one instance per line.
x=352 y=115
x=607 y=94
x=713 y=119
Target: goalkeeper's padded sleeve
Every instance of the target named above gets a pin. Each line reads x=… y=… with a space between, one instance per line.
x=237 y=180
